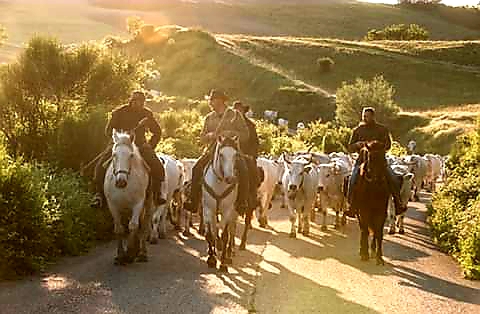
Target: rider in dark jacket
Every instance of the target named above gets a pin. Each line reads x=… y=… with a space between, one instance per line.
x=127 y=118
x=370 y=130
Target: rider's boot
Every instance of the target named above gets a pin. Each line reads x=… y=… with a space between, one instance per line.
x=98 y=201
x=158 y=197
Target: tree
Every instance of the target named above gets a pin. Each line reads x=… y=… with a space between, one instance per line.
x=377 y=93
x=134 y=23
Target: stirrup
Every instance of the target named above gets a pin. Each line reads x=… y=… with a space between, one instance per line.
x=98 y=202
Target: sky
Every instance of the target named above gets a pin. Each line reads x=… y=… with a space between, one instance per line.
x=447 y=2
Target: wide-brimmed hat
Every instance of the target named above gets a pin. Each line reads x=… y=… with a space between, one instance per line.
x=216 y=94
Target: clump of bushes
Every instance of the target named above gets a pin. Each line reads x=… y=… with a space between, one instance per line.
x=455 y=210
x=399 y=32
x=43 y=215
x=325 y=64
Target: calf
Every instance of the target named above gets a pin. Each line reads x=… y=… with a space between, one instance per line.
x=418 y=166
x=271 y=170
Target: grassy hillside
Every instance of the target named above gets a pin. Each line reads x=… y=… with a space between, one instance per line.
x=424 y=76
x=321 y=18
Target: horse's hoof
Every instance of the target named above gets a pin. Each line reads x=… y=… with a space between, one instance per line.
x=178 y=228
x=336 y=226
x=364 y=257
x=223 y=268
x=228 y=261
x=212 y=262
x=401 y=231
x=324 y=228
x=129 y=259
x=162 y=235
x=154 y=241
x=391 y=231
x=242 y=247
x=201 y=231
x=380 y=261
x=306 y=233
x=142 y=259
x=293 y=235
x=344 y=220
x=187 y=233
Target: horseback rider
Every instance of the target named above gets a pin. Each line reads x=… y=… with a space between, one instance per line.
x=250 y=150
x=221 y=119
x=127 y=118
x=370 y=130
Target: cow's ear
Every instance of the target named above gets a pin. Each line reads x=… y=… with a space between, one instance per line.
x=114 y=136
x=308 y=168
x=409 y=176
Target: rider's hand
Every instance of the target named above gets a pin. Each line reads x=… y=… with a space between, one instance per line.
x=360 y=144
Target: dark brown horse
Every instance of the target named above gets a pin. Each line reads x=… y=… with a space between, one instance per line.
x=370 y=198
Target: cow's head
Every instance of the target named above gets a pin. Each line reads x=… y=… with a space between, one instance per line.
x=297 y=170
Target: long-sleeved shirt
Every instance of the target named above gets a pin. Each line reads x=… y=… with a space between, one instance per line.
x=229 y=121
x=126 y=118
x=370 y=132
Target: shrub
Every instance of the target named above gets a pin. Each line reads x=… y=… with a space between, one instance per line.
x=399 y=32
x=377 y=93
x=325 y=64
x=455 y=210
x=43 y=214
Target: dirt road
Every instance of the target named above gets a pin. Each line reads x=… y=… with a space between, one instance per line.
x=319 y=274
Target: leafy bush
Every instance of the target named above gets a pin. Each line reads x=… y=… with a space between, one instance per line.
x=43 y=215
x=325 y=64
x=455 y=211
x=399 y=32
x=377 y=93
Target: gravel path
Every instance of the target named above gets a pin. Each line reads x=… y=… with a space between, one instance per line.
x=319 y=274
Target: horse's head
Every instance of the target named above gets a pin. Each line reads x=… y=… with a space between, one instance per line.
x=123 y=152
x=226 y=155
x=374 y=162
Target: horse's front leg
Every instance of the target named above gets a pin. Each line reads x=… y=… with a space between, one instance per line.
x=363 y=240
x=133 y=227
x=379 y=242
x=225 y=243
x=401 y=228
x=119 y=231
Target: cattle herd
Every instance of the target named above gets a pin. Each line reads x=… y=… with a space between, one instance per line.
x=306 y=183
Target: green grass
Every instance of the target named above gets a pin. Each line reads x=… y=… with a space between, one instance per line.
x=423 y=80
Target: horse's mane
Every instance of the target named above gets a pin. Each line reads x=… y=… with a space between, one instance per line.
x=124 y=138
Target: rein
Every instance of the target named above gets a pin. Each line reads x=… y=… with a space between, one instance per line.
x=220 y=177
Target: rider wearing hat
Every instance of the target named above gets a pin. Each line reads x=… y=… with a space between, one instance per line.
x=127 y=118
x=221 y=119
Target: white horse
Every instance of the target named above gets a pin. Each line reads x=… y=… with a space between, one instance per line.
x=219 y=193
x=126 y=191
x=172 y=189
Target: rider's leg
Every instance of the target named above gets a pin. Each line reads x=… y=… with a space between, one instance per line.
x=253 y=183
x=99 y=178
x=243 y=186
x=394 y=185
x=157 y=173
x=196 y=189
x=353 y=180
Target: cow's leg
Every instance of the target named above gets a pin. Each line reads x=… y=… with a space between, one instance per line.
x=292 y=218
x=188 y=221
x=337 y=218
x=300 y=219
x=162 y=233
x=401 y=229
x=324 y=219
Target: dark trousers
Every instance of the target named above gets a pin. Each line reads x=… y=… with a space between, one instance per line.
x=157 y=171
x=392 y=181
x=197 y=179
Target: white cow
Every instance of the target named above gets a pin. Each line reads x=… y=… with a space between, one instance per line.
x=283 y=123
x=418 y=166
x=405 y=195
x=434 y=170
x=300 y=181
x=411 y=147
x=270 y=115
x=171 y=188
x=332 y=189
x=272 y=174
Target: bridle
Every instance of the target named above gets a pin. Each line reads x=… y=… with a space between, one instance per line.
x=218 y=161
x=126 y=172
